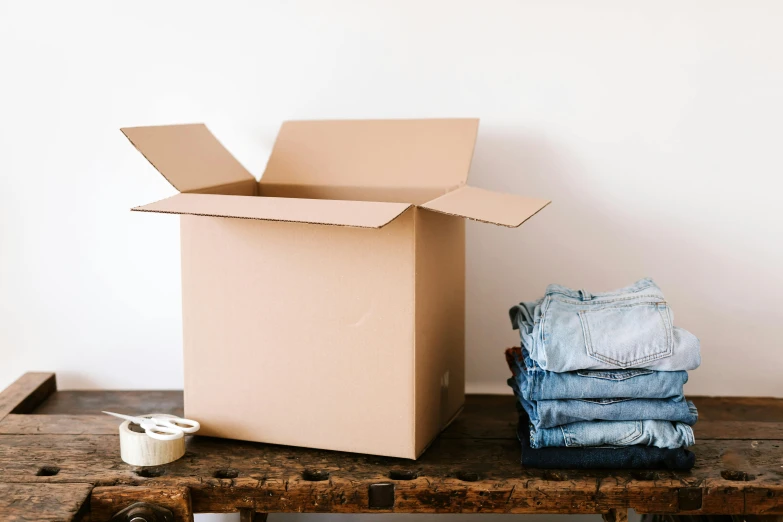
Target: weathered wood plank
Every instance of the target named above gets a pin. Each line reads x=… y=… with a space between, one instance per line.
x=496 y=413
x=454 y=475
x=763 y=409
x=44 y=502
x=736 y=430
x=473 y=467
x=475 y=423
x=75 y=402
x=27 y=392
x=105 y=502
x=16 y=424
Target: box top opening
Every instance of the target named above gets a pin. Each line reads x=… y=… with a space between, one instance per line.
x=320 y=166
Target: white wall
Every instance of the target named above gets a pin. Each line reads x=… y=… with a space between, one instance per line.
x=654 y=127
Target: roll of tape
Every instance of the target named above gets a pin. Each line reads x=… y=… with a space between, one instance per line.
x=139 y=449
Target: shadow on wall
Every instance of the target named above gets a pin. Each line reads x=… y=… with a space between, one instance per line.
x=605 y=230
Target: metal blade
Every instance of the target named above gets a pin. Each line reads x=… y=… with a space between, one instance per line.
x=134 y=420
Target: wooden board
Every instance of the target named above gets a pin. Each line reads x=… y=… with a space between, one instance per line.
x=26 y=393
x=95 y=401
x=106 y=501
x=472 y=468
x=455 y=475
x=44 y=502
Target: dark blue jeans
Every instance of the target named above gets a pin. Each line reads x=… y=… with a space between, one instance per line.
x=625 y=457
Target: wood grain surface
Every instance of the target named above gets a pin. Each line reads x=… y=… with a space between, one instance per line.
x=473 y=467
x=44 y=502
x=27 y=392
x=106 y=501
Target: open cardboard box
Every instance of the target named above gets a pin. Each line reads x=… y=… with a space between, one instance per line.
x=324 y=305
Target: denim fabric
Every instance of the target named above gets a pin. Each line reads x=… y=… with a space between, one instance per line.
x=569 y=330
x=555 y=413
x=625 y=457
x=537 y=384
x=658 y=433
x=550 y=414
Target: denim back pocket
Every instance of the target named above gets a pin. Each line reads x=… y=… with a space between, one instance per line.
x=608 y=433
x=614 y=375
x=628 y=335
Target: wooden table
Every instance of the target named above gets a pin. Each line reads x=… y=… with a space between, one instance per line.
x=59 y=460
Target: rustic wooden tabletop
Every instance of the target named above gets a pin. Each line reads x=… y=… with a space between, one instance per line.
x=59 y=460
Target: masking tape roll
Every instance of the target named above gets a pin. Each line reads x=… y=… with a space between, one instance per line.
x=139 y=449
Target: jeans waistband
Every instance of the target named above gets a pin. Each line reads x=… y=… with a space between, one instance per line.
x=584 y=295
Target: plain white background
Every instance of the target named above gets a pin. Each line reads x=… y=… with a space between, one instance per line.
x=654 y=127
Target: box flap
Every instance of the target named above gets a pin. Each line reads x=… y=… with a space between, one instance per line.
x=487 y=206
x=373 y=153
x=188 y=156
x=365 y=214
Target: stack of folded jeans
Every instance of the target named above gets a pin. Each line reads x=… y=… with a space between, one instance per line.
x=599 y=380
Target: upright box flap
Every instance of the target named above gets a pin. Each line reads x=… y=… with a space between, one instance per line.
x=364 y=214
x=373 y=153
x=487 y=206
x=188 y=156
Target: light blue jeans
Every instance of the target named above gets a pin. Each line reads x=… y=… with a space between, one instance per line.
x=569 y=330
x=658 y=433
x=537 y=384
x=549 y=414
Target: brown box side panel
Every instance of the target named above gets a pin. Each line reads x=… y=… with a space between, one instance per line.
x=440 y=323
x=373 y=153
x=300 y=334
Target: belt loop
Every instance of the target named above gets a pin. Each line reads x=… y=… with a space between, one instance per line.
x=585 y=295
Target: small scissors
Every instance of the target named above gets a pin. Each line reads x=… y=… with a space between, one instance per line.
x=162 y=428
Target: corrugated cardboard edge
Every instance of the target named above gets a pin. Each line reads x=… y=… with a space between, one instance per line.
x=230 y=162
x=412 y=449
x=489 y=222
x=138 y=209
x=123 y=129
x=145 y=208
x=482 y=205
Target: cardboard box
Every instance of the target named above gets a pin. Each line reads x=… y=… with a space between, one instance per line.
x=324 y=305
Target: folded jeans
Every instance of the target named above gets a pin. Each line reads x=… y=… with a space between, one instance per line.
x=648 y=432
x=537 y=384
x=550 y=414
x=570 y=330
x=567 y=411
x=623 y=457
x=658 y=433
